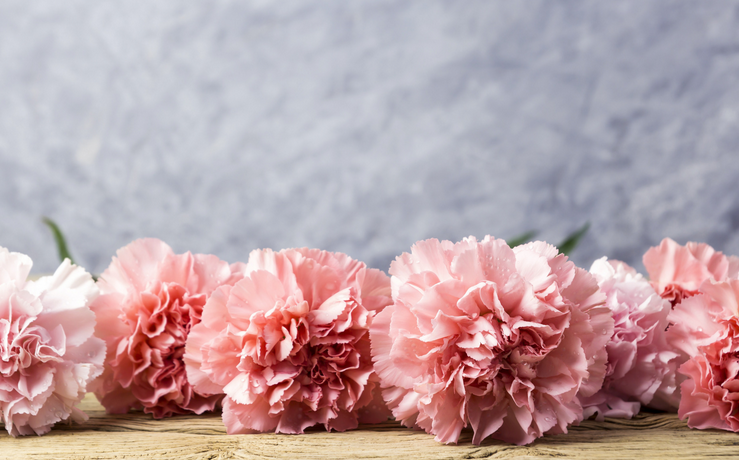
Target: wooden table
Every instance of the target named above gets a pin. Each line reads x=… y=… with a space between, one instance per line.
x=136 y=435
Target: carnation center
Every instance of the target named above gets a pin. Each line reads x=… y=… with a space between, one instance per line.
x=322 y=364
x=22 y=345
x=292 y=349
x=496 y=343
x=161 y=324
x=676 y=294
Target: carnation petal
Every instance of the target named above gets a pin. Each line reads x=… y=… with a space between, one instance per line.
x=695 y=403
x=534 y=268
x=331 y=308
x=733 y=269
x=726 y=294
x=70 y=287
x=212 y=273
x=248 y=418
x=294 y=420
x=118 y=401
x=686 y=266
x=216 y=317
x=14 y=267
x=134 y=266
x=375 y=289
x=78 y=324
x=426 y=255
x=193 y=359
x=17 y=303
x=260 y=291
x=485 y=422
x=239 y=389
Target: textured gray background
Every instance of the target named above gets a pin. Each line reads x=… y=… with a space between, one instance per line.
x=363 y=126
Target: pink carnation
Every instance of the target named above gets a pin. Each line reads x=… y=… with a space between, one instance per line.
x=641 y=365
x=707 y=329
x=289 y=345
x=501 y=339
x=150 y=299
x=676 y=272
x=48 y=354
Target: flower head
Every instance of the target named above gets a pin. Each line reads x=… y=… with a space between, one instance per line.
x=676 y=272
x=150 y=299
x=706 y=327
x=484 y=335
x=289 y=344
x=641 y=365
x=48 y=354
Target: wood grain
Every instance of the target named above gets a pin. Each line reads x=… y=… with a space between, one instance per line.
x=136 y=435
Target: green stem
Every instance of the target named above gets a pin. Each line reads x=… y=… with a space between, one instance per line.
x=61 y=243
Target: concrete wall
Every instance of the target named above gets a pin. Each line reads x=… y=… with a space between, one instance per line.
x=363 y=126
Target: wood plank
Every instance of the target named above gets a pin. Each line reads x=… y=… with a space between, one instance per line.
x=136 y=435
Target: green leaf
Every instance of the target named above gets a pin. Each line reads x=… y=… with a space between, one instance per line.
x=61 y=243
x=571 y=242
x=521 y=239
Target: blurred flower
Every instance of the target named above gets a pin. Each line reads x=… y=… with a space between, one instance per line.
x=706 y=327
x=641 y=365
x=150 y=299
x=289 y=344
x=48 y=354
x=501 y=339
x=676 y=272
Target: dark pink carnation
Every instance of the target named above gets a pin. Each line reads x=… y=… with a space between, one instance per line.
x=150 y=299
x=641 y=365
x=48 y=354
x=497 y=338
x=676 y=272
x=289 y=344
x=706 y=328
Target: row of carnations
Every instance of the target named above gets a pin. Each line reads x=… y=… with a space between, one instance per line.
x=515 y=343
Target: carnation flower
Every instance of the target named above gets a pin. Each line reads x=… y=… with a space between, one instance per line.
x=289 y=344
x=676 y=272
x=641 y=365
x=150 y=299
x=497 y=338
x=48 y=354
x=707 y=329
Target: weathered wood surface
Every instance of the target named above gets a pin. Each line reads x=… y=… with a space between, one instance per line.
x=649 y=436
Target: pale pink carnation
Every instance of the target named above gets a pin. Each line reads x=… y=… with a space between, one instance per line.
x=497 y=338
x=641 y=365
x=48 y=354
x=289 y=344
x=676 y=272
x=706 y=328
x=150 y=299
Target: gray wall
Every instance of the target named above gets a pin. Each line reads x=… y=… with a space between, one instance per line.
x=363 y=126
